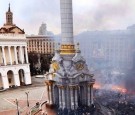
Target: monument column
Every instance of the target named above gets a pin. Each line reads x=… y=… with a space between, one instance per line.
x=67 y=44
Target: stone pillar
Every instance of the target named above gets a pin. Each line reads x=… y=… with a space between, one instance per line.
x=66 y=21
x=26 y=55
x=67 y=42
x=27 y=78
x=5 y=82
x=60 y=97
x=16 y=80
x=91 y=94
x=9 y=52
x=21 y=54
x=72 y=98
x=63 y=97
x=89 y=102
x=50 y=94
x=76 y=97
x=16 y=59
x=3 y=54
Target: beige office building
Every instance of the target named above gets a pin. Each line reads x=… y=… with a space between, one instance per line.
x=40 y=44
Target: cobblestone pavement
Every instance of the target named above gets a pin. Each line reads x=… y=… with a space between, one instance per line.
x=8 y=98
x=37 y=93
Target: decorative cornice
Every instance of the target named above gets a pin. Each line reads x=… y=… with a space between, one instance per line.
x=67 y=49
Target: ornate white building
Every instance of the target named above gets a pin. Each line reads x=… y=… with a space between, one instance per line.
x=14 y=65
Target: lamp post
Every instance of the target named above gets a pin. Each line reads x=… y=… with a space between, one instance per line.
x=27 y=94
x=16 y=101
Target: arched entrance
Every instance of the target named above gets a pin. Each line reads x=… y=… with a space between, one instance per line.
x=21 y=77
x=1 y=82
x=56 y=97
x=10 y=76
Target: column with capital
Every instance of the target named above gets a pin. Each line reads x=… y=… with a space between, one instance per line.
x=72 y=97
x=15 y=52
x=88 y=103
x=9 y=52
x=3 y=54
x=91 y=94
x=63 y=97
x=26 y=54
x=21 y=54
x=76 y=97
x=50 y=94
x=60 y=97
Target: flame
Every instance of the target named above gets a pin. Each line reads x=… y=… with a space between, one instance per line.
x=120 y=89
x=114 y=88
x=97 y=86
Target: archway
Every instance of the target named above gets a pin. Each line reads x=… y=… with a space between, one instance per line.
x=56 y=97
x=1 y=82
x=10 y=76
x=21 y=77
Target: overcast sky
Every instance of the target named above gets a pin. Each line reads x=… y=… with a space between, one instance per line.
x=88 y=14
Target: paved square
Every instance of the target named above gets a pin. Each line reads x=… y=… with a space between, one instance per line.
x=7 y=98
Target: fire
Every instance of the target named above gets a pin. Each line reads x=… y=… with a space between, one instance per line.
x=114 y=88
x=97 y=86
x=120 y=89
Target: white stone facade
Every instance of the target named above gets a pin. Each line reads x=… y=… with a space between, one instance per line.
x=14 y=65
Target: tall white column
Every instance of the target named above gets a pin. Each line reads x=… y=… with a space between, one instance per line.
x=9 y=52
x=21 y=54
x=26 y=55
x=76 y=98
x=63 y=97
x=66 y=21
x=88 y=95
x=15 y=52
x=3 y=54
x=91 y=94
x=50 y=93
x=16 y=80
x=72 y=98
x=60 y=101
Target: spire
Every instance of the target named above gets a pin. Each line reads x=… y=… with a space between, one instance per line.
x=9 y=17
x=9 y=8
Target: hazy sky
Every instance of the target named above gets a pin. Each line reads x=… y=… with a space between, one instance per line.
x=88 y=14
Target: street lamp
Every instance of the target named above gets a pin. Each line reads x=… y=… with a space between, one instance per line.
x=27 y=94
x=16 y=101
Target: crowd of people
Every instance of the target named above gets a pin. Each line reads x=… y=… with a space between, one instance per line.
x=121 y=102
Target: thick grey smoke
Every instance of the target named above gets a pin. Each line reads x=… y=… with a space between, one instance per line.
x=93 y=14
x=130 y=82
